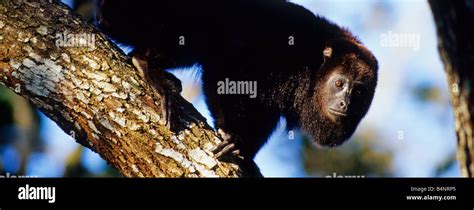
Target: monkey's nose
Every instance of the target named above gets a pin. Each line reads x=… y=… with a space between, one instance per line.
x=343 y=105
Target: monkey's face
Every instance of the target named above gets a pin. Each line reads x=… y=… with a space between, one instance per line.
x=338 y=90
x=345 y=86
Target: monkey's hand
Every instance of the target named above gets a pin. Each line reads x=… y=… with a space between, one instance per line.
x=226 y=147
x=231 y=146
x=167 y=85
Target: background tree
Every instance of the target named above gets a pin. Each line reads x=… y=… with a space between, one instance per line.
x=455 y=27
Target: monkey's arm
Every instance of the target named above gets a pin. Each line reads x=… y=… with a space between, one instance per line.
x=148 y=61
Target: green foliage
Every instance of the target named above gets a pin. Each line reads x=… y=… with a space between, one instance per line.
x=428 y=94
x=358 y=156
x=6 y=107
x=75 y=166
x=445 y=165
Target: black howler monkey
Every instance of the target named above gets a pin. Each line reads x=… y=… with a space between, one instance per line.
x=309 y=70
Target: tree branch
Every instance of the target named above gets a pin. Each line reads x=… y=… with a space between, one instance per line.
x=94 y=94
x=455 y=27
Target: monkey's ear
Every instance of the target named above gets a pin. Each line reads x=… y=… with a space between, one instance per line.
x=327 y=53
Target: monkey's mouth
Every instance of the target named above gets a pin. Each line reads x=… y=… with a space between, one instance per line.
x=337 y=113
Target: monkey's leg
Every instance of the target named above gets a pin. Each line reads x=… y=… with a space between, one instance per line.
x=151 y=68
x=243 y=122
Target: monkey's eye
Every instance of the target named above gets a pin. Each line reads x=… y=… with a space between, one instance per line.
x=338 y=83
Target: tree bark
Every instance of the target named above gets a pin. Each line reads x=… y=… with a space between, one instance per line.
x=455 y=27
x=95 y=95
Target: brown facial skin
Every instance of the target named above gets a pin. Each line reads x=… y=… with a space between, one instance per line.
x=338 y=90
x=344 y=90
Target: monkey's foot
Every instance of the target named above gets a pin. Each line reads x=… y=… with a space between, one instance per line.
x=227 y=147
